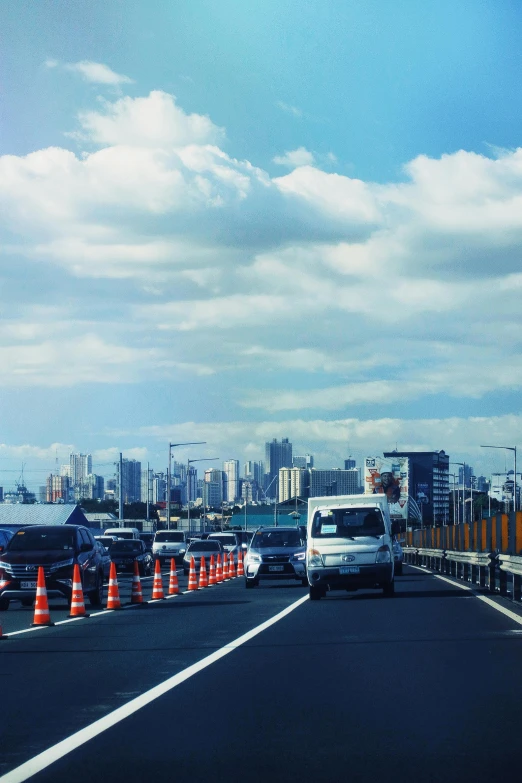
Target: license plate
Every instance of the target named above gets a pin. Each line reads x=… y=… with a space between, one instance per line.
x=276 y=568
x=28 y=585
x=349 y=570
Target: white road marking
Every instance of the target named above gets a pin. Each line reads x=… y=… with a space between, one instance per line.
x=489 y=601
x=61 y=749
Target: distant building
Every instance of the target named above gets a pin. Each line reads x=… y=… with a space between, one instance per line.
x=428 y=483
x=305 y=461
x=130 y=481
x=293 y=482
x=277 y=455
x=91 y=488
x=80 y=465
x=57 y=489
x=350 y=463
x=334 y=482
x=213 y=488
x=231 y=479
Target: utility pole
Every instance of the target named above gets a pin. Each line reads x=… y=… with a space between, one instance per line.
x=120 y=499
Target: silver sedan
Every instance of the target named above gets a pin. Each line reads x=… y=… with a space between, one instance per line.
x=202 y=548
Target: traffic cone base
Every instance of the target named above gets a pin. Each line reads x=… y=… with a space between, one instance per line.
x=41 y=605
x=77 y=599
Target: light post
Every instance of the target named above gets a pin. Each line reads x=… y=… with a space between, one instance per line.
x=454 y=505
x=463 y=464
x=514 y=450
x=189 y=463
x=173 y=446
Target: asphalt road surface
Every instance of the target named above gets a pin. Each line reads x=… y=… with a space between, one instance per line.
x=425 y=686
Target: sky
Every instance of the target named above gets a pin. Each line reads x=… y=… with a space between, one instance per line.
x=231 y=222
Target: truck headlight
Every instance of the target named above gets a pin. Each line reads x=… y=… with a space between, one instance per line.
x=383 y=555
x=314 y=558
x=253 y=557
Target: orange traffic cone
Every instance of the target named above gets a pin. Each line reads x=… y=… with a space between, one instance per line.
x=225 y=566
x=231 y=566
x=77 y=601
x=113 y=594
x=136 y=592
x=173 y=581
x=41 y=605
x=240 y=567
x=192 y=582
x=203 y=578
x=157 y=585
x=219 y=570
x=212 y=572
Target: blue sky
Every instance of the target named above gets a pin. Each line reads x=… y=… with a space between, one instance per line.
x=237 y=221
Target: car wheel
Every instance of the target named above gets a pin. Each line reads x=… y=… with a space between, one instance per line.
x=96 y=596
x=398 y=569
x=27 y=601
x=316 y=593
x=4 y=604
x=388 y=590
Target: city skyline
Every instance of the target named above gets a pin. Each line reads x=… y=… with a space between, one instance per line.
x=231 y=222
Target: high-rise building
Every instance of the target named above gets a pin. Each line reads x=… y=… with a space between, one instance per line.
x=334 y=482
x=254 y=471
x=277 y=455
x=80 y=465
x=57 y=489
x=293 y=483
x=349 y=463
x=213 y=488
x=231 y=479
x=91 y=488
x=306 y=461
x=428 y=483
x=130 y=481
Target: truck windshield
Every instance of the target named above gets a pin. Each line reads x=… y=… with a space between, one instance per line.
x=348 y=523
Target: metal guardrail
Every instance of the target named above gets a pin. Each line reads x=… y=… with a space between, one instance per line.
x=488 y=570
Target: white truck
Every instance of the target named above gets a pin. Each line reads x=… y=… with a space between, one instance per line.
x=350 y=544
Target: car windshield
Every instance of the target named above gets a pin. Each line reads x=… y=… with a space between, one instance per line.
x=204 y=546
x=348 y=523
x=276 y=538
x=226 y=540
x=42 y=538
x=169 y=536
x=124 y=547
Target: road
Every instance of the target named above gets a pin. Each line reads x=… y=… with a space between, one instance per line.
x=424 y=686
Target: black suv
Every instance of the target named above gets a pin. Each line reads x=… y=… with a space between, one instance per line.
x=57 y=548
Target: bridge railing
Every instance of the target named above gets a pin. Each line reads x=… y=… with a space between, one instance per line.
x=487 y=552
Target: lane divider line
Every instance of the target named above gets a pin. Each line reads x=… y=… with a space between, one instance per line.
x=61 y=749
x=489 y=601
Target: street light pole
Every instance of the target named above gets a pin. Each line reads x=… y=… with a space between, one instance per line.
x=514 y=450
x=173 y=446
x=463 y=488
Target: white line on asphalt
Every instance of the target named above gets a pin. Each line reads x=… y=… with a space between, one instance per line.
x=61 y=749
x=489 y=601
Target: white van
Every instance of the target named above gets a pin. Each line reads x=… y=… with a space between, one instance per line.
x=123 y=532
x=169 y=544
x=349 y=544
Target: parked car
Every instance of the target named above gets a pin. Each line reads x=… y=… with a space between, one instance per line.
x=232 y=541
x=398 y=555
x=125 y=552
x=201 y=548
x=106 y=558
x=168 y=544
x=276 y=553
x=107 y=541
x=148 y=539
x=58 y=548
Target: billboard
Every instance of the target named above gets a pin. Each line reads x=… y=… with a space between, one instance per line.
x=390 y=477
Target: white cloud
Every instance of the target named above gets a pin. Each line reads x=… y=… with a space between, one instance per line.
x=155 y=121
x=97 y=73
x=298 y=157
x=289 y=109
